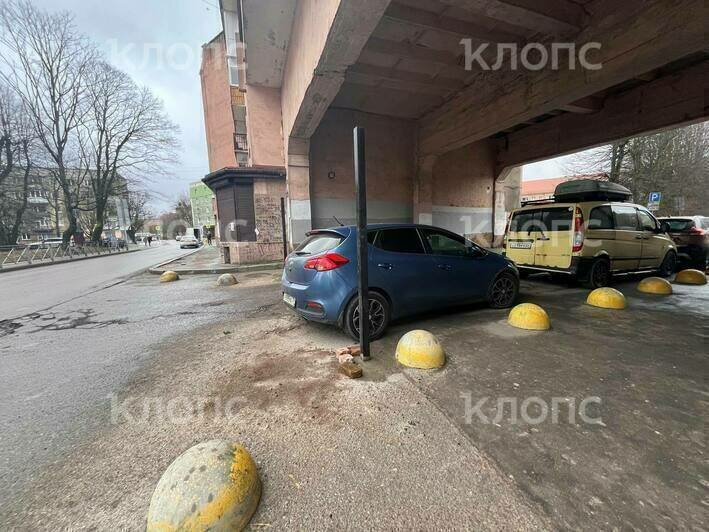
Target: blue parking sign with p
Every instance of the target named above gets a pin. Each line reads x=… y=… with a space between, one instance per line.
x=655 y=197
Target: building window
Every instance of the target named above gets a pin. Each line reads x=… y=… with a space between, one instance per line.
x=233 y=71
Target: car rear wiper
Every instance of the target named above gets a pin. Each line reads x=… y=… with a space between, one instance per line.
x=301 y=253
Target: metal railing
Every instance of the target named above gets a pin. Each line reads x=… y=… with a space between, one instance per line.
x=39 y=253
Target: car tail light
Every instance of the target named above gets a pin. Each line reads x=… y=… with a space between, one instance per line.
x=327 y=262
x=697 y=231
x=578 y=230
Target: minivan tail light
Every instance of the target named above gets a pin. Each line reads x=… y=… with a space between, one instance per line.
x=578 y=230
x=697 y=231
x=326 y=262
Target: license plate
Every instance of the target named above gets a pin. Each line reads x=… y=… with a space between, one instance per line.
x=521 y=244
x=289 y=299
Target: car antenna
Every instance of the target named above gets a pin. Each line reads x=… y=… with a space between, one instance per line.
x=338 y=221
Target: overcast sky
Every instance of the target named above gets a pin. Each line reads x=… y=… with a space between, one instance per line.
x=157 y=42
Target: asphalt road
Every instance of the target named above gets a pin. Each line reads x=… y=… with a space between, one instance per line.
x=70 y=334
x=34 y=289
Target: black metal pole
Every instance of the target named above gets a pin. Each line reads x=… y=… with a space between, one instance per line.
x=283 y=228
x=363 y=274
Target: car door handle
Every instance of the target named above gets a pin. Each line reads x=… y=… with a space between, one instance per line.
x=385 y=265
x=543 y=238
x=446 y=267
x=639 y=237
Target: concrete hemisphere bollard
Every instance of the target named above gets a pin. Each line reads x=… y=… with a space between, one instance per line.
x=420 y=349
x=607 y=297
x=655 y=285
x=691 y=276
x=529 y=316
x=226 y=279
x=169 y=276
x=211 y=486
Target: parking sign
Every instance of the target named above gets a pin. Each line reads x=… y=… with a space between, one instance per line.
x=653 y=200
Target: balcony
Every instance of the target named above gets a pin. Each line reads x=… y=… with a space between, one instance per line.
x=241 y=142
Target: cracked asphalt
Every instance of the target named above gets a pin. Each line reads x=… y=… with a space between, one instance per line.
x=70 y=334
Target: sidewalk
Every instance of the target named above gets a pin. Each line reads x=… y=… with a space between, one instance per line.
x=207 y=259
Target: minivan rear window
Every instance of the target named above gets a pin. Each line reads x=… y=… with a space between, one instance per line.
x=525 y=220
x=319 y=243
x=548 y=219
x=558 y=219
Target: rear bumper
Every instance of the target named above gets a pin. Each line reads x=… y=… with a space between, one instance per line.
x=578 y=266
x=327 y=297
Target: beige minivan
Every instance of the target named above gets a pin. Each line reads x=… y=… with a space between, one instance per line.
x=589 y=239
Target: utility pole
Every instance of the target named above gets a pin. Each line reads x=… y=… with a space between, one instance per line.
x=362 y=271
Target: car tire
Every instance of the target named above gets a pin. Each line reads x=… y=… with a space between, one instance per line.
x=599 y=274
x=503 y=291
x=669 y=264
x=379 y=304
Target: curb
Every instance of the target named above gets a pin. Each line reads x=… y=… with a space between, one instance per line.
x=158 y=270
x=155 y=269
x=55 y=263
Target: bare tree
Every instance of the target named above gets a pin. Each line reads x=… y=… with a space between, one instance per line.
x=47 y=64
x=183 y=209
x=674 y=162
x=138 y=211
x=16 y=147
x=126 y=133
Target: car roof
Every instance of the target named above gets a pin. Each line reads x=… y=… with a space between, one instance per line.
x=587 y=203
x=347 y=229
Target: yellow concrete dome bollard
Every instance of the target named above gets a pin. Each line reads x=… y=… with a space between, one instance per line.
x=420 y=349
x=168 y=277
x=606 y=297
x=655 y=285
x=529 y=316
x=211 y=486
x=691 y=277
x=226 y=279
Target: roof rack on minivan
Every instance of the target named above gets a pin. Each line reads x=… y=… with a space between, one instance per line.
x=537 y=202
x=591 y=190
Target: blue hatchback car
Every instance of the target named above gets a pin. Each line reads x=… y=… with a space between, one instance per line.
x=412 y=269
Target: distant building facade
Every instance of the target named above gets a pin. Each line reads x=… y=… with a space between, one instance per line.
x=45 y=213
x=247 y=187
x=201 y=197
x=543 y=189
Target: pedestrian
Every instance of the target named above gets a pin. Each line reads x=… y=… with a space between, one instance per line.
x=209 y=238
x=150 y=240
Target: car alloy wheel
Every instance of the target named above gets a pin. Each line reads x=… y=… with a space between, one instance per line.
x=503 y=291
x=377 y=317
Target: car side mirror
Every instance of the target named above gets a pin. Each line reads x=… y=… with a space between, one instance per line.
x=664 y=227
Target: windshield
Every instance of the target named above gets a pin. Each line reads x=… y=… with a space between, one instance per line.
x=319 y=243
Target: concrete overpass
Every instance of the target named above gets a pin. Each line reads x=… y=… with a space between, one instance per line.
x=443 y=140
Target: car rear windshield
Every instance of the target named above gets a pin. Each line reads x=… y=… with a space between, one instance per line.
x=547 y=219
x=319 y=243
x=679 y=225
